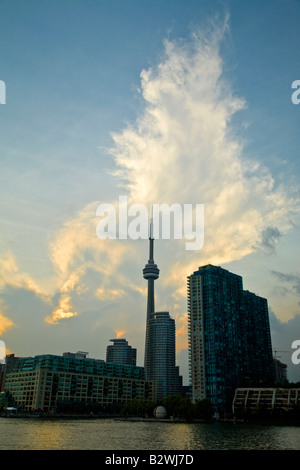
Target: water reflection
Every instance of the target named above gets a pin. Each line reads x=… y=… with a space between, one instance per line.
x=120 y=435
x=32 y=434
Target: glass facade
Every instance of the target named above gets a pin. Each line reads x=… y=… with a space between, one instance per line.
x=228 y=335
x=120 y=352
x=41 y=382
x=162 y=348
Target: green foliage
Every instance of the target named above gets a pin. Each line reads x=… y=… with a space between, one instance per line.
x=180 y=407
x=204 y=409
x=173 y=404
x=176 y=406
x=139 y=408
x=6 y=399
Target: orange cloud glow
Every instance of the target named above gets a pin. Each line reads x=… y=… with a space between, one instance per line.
x=181 y=333
x=120 y=333
x=5 y=323
x=62 y=311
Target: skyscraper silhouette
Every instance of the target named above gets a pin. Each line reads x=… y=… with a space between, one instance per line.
x=160 y=350
x=150 y=273
x=120 y=352
x=162 y=355
x=229 y=336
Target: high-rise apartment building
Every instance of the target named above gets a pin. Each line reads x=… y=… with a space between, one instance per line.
x=162 y=368
x=229 y=336
x=259 y=365
x=120 y=352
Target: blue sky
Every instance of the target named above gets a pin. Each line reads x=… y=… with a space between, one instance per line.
x=191 y=101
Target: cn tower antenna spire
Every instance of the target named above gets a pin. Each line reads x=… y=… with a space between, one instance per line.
x=151 y=239
x=151 y=224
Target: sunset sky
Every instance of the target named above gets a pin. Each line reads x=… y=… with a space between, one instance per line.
x=162 y=101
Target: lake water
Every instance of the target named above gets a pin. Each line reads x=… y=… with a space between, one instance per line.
x=108 y=434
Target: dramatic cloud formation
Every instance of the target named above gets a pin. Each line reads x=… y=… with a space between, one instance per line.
x=182 y=149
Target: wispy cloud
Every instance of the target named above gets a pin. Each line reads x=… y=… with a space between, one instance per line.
x=76 y=250
x=109 y=294
x=120 y=333
x=5 y=322
x=63 y=311
x=181 y=332
x=10 y=275
x=291 y=281
x=269 y=238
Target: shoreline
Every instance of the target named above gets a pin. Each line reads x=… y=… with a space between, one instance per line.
x=135 y=419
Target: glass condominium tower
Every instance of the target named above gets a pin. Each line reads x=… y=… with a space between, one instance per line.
x=120 y=352
x=162 y=369
x=229 y=336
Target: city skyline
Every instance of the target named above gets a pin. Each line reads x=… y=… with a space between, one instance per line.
x=162 y=102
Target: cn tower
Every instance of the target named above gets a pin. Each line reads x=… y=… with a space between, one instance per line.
x=150 y=272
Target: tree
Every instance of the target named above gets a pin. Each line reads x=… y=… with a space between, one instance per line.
x=203 y=409
x=172 y=403
x=138 y=407
x=184 y=408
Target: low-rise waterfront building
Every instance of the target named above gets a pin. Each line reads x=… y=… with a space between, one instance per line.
x=42 y=382
x=250 y=400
